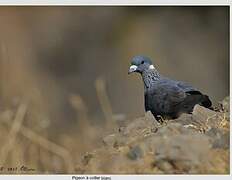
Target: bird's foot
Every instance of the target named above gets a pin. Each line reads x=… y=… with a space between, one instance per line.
x=160 y=119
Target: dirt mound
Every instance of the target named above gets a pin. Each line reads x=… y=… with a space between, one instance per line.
x=194 y=143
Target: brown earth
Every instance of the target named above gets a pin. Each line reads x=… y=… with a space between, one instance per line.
x=196 y=143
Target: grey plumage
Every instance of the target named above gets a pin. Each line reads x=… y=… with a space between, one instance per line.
x=163 y=96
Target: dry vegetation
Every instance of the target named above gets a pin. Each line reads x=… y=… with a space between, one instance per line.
x=25 y=145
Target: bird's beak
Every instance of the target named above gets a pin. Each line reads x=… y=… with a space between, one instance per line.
x=132 y=69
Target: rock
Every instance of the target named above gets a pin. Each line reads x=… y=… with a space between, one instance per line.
x=149 y=116
x=174 y=146
x=164 y=166
x=185 y=119
x=205 y=118
x=86 y=158
x=183 y=152
x=135 y=153
x=196 y=143
x=110 y=140
x=201 y=114
x=115 y=140
x=140 y=127
x=226 y=104
x=219 y=138
x=140 y=123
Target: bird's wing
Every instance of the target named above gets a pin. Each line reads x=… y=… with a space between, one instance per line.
x=166 y=95
x=171 y=97
x=187 y=88
x=175 y=94
x=180 y=84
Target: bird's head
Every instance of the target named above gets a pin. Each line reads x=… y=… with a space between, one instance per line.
x=140 y=64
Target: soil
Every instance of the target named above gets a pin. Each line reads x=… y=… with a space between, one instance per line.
x=196 y=143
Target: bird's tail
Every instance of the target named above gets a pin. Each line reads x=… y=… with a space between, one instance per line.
x=206 y=101
x=196 y=97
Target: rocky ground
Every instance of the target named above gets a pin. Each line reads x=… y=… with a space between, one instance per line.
x=196 y=143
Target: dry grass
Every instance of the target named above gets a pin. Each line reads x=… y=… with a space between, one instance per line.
x=24 y=146
x=104 y=101
x=38 y=141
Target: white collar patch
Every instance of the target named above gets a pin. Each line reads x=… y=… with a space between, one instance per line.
x=151 y=67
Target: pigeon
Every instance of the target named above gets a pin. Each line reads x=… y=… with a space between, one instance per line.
x=164 y=97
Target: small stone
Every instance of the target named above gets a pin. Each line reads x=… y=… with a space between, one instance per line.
x=226 y=104
x=135 y=153
x=219 y=139
x=201 y=113
x=86 y=158
x=109 y=140
x=164 y=166
x=149 y=116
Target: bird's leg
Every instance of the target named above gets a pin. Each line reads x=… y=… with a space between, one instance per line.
x=160 y=119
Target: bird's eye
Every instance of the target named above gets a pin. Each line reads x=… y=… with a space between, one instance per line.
x=142 y=62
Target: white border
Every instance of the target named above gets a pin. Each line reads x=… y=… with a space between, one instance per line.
x=115 y=2
x=116 y=177
x=123 y=3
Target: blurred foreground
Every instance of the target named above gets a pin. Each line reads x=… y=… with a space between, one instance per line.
x=196 y=143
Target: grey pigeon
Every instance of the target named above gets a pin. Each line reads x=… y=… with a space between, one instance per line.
x=164 y=97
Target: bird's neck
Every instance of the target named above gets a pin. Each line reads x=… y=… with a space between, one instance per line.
x=150 y=76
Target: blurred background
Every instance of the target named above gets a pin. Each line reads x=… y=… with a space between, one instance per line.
x=63 y=72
